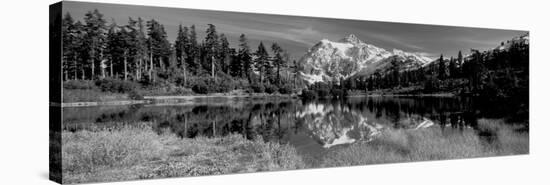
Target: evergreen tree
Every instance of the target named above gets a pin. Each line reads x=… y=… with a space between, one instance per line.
x=394 y=78
x=141 y=47
x=460 y=59
x=181 y=44
x=94 y=38
x=452 y=68
x=136 y=45
x=278 y=60
x=442 y=68
x=193 y=51
x=212 y=47
x=245 y=57
x=262 y=61
x=71 y=44
x=159 y=47
x=224 y=53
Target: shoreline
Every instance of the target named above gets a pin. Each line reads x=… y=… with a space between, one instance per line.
x=189 y=98
x=186 y=98
x=406 y=95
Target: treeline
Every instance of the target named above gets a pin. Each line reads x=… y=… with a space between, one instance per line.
x=139 y=53
x=493 y=73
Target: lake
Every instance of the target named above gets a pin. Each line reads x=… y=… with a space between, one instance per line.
x=312 y=127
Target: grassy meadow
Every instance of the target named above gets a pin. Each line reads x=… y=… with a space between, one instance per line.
x=433 y=144
x=138 y=152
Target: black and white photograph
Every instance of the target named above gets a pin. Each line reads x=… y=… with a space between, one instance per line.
x=146 y=92
x=153 y=92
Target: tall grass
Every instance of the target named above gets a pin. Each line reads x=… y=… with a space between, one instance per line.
x=88 y=151
x=91 y=95
x=432 y=144
x=140 y=153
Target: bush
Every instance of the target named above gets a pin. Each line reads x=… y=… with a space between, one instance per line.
x=286 y=89
x=116 y=85
x=323 y=92
x=134 y=95
x=224 y=85
x=200 y=87
x=91 y=95
x=181 y=81
x=78 y=84
x=270 y=88
x=258 y=88
x=339 y=93
x=241 y=84
x=308 y=94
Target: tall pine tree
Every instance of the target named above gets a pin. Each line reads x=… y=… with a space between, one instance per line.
x=262 y=61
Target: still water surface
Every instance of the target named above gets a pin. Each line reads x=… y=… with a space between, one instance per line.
x=312 y=127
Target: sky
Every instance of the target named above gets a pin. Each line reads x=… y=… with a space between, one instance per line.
x=298 y=34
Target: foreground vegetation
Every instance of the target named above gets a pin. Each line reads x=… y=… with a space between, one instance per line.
x=137 y=152
x=434 y=144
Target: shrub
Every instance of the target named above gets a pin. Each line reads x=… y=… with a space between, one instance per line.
x=270 y=88
x=323 y=92
x=116 y=85
x=224 y=85
x=308 y=94
x=91 y=95
x=258 y=88
x=286 y=89
x=181 y=81
x=339 y=93
x=135 y=95
x=200 y=87
x=242 y=84
x=78 y=84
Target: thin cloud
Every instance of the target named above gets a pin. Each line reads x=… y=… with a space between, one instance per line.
x=298 y=34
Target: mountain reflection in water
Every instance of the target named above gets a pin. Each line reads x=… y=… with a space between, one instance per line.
x=315 y=126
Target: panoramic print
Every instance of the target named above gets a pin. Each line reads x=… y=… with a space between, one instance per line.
x=154 y=92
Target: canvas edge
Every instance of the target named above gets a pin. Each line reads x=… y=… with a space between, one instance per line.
x=55 y=110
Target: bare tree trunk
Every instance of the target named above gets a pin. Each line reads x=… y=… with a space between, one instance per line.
x=93 y=69
x=138 y=66
x=162 y=66
x=102 y=70
x=161 y=63
x=111 y=68
x=75 y=70
x=83 y=72
x=183 y=66
x=214 y=127
x=212 y=66
x=278 y=74
x=185 y=126
x=146 y=67
x=261 y=76
x=125 y=65
x=151 y=67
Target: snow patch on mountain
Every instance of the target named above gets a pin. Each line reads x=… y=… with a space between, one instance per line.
x=519 y=39
x=336 y=60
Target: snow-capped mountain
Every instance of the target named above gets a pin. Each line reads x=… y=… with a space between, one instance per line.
x=333 y=125
x=519 y=39
x=334 y=60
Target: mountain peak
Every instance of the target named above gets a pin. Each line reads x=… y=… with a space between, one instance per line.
x=333 y=61
x=351 y=38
